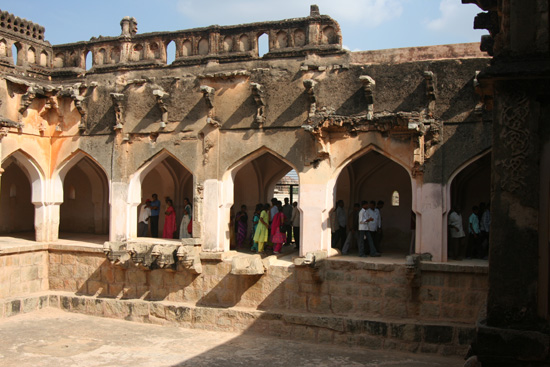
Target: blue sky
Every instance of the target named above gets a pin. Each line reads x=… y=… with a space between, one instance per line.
x=366 y=24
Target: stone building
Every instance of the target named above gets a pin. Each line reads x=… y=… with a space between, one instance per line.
x=83 y=144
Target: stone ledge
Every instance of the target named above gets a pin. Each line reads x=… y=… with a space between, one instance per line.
x=404 y=335
x=22 y=249
x=453 y=268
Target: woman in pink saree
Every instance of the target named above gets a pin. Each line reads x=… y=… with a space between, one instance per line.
x=278 y=237
x=169 y=220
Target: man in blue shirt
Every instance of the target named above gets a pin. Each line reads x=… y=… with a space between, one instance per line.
x=155 y=210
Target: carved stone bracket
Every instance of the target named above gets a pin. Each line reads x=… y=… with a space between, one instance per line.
x=161 y=97
x=485 y=93
x=208 y=94
x=3 y=133
x=368 y=86
x=258 y=94
x=150 y=256
x=74 y=93
x=118 y=104
x=310 y=85
x=27 y=98
x=430 y=91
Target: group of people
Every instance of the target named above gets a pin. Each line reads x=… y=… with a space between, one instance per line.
x=273 y=224
x=149 y=217
x=479 y=223
x=364 y=222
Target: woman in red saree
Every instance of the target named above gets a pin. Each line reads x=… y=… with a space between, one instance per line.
x=278 y=237
x=169 y=220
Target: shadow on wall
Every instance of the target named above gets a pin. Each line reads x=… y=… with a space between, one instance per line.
x=337 y=302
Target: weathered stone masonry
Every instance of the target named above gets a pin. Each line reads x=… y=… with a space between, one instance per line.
x=81 y=149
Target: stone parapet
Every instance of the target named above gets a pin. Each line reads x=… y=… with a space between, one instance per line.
x=318 y=34
x=23 y=270
x=421 y=53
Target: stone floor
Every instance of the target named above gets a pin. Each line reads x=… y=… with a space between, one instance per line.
x=51 y=337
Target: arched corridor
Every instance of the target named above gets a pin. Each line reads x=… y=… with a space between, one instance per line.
x=85 y=207
x=16 y=208
x=373 y=176
x=167 y=177
x=255 y=182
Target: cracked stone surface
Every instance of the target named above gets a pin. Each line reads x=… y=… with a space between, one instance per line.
x=52 y=337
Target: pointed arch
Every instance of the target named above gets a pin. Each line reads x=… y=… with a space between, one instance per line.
x=147 y=166
x=33 y=172
x=234 y=168
x=162 y=174
x=447 y=202
x=374 y=175
x=60 y=172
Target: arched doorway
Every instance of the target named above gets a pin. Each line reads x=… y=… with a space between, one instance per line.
x=85 y=207
x=256 y=182
x=373 y=176
x=167 y=177
x=16 y=208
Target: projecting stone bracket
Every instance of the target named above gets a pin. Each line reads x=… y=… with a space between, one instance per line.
x=258 y=94
x=368 y=86
x=161 y=97
x=118 y=105
x=150 y=256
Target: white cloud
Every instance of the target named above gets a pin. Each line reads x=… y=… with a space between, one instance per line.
x=455 y=18
x=369 y=13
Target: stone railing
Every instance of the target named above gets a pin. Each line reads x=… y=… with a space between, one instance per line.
x=22 y=44
x=299 y=36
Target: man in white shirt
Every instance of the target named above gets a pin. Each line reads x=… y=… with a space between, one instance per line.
x=143 y=222
x=368 y=222
x=457 y=235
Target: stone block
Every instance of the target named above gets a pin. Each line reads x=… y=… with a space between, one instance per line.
x=179 y=314
x=430 y=310
x=370 y=307
x=438 y=334
x=53 y=301
x=475 y=299
x=396 y=293
x=298 y=302
x=65 y=303
x=29 y=273
x=115 y=290
x=13 y=308
x=107 y=274
x=451 y=296
x=319 y=304
x=138 y=309
x=42 y=302
x=428 y=294
x=342 y=305
x=376 y=328
x=115 y=308
x=369 y=291
x=406 y=332
x=78 y=304
x=394 y=309
x=157 y=310
x=433 y=279
x=135 y=276
x=368 y=341
x=94 y=307
x=455 y=280
x=30 y=304
x=68 y=259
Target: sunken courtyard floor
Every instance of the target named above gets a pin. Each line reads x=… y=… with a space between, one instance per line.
x=51 y=337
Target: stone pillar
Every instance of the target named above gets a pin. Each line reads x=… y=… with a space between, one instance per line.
x=314 y=219
x=123 y=213
x=429 y=224
x=215 y=220
x=46 y=221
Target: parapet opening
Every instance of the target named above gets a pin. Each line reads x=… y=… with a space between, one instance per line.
x=170 y=52
x=263 y=44
x=88 y=60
